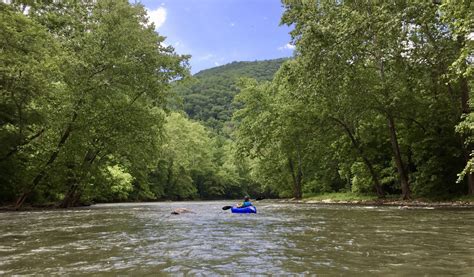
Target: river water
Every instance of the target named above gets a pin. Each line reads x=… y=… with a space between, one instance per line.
x=145 y=239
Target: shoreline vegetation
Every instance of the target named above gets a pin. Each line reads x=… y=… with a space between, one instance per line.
x=390 y=200
x=335 y=198
x=98 y=107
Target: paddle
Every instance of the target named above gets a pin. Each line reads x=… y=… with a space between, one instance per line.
x=228 y=207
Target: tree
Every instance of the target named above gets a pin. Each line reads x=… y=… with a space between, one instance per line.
x=359 y=62
x=115 y=78
x=264 y=133
x=30 y=76
x=458 y=15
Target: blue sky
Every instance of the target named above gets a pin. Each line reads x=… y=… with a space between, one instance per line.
x=216 y=32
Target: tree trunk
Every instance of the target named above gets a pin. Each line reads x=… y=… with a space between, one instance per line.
x=377 y=186
x=470 y=183
x=398 y=158
x=67 y=132
x=21 y=200
x=72 y=196
x=467 y=149
x=76 y=198
x=169 y=190
x=297 y=178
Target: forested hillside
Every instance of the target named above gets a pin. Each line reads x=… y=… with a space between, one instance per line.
x=209 y=96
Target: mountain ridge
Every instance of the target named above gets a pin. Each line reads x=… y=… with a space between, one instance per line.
x=209 y=97
x=236 y=65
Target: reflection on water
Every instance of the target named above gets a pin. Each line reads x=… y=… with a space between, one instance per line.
x=280 y=239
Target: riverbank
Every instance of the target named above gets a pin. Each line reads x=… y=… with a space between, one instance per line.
x=37 y=207
x=392 y=200
x=323 y=199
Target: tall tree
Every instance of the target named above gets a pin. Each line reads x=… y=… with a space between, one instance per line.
x=118 y=71
x=380 y=58
x=459 y=17
x=29 y=88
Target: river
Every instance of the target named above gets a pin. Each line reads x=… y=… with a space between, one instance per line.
x=144 y=238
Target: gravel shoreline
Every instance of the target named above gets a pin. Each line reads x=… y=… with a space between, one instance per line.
x=389 y=203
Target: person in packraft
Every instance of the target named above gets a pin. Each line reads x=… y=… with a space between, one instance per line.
x=246 y=203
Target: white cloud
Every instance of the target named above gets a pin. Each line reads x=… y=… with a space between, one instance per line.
x=232 y=24
x=287 y=46
x=470 y=36
x=158 y=17
x=216 y=64
x=205 y=57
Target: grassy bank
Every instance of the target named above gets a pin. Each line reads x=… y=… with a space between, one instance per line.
x=339 y=196
x=354 y=198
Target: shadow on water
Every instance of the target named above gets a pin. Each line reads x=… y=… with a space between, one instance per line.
x=282 y=238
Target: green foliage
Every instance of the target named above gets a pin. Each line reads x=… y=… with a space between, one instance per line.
x=375 y=101
x=361 y=180
x=85 y=86
x=96 y=79
x=120 y=182
x=30 y=71
x=186 y=151
x=195 y=163
x=369 y=103
x=466 y=128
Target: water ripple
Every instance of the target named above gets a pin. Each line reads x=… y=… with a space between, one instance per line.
x=145 y=239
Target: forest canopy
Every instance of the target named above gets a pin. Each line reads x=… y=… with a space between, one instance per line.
x=376 y=100
x=96 y=107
